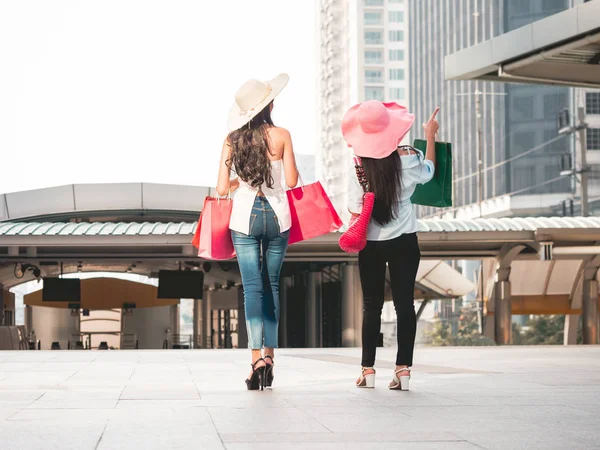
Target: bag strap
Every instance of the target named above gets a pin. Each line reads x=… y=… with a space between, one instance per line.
x=360 y=174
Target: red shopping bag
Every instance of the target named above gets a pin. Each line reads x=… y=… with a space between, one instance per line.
x=213 y=237
x=312 y=213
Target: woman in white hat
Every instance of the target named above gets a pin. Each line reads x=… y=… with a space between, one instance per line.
x=375 y=130
x=261 y=155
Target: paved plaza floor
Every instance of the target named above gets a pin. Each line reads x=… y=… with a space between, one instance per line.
x=460 y=398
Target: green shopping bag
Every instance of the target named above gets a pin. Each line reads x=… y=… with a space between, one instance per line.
x=438 y=191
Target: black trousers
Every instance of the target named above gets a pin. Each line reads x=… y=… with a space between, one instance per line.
x=402 y=256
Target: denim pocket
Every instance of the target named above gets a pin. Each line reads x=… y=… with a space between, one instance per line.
x=252 y=222
x=276 y=223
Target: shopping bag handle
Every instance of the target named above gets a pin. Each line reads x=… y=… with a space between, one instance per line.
x=301 y=185
x=218 y=197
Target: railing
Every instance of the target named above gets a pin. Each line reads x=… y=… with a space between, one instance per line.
x=129 y=341
x=179 y=341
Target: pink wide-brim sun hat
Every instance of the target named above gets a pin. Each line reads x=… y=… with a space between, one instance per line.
x=375 y=129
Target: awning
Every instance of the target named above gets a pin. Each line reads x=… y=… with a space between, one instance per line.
x=560 y=49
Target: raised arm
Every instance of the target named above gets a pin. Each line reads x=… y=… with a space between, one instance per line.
x=431 y=128
x=289 y=160
x=223 y=182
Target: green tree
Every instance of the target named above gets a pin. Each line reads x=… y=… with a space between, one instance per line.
x=542 y=330
x=467 y=330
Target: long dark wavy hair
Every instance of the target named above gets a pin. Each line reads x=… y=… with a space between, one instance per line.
x=250 y=150
x=385 y=181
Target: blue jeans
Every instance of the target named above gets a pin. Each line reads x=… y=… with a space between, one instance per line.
x=260 y=257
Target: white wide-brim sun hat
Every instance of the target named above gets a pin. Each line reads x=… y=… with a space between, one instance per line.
x=252 y=98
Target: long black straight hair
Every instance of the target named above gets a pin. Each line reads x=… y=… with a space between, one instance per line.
x=385 y=181
x=250 y=150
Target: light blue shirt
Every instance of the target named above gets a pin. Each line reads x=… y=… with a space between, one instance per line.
x=415 y=170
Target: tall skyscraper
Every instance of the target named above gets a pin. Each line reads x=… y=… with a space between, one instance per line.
x=512 y=119
x=362 y=56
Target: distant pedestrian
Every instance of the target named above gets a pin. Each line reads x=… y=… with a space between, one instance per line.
x=261 y=155
x=374 y=130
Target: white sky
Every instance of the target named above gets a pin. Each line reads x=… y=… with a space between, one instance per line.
x=139 y=90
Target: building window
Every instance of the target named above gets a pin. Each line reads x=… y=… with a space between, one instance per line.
x=520 y=7
x=373 y=57
x=524 y=178
x=373 y=2
x=522 y=141
x=396 y=54
x=397 y=93
x=554 y=104
x=523 y=107
x=373 y=18
x=397 y=16
x=373 y=37
x=396 y=74
x=593 y=138
x=396 y=1
x=549 y=6
x=558 y=146
x=592 y=103
x=373 y=76
x=373 y=93
x=396 y=35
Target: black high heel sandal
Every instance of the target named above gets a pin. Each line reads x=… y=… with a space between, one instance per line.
x=269 y=376
x=256 y=380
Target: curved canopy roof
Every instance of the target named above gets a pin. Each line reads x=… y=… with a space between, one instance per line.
x=516 y=224
x=110 y=201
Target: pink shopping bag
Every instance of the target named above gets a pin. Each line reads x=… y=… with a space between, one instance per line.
x=312 y=213
x=212 y=236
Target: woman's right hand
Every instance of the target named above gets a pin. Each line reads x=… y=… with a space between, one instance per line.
x=432 y=126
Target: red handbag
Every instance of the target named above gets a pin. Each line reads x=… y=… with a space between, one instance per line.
x=212 y=237
x=355 y=238
x=312 y=213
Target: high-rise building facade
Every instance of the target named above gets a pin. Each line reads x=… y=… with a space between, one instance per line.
x=362 y=56
x=512 y=126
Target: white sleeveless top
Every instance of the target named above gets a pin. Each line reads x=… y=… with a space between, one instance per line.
x=244 y=197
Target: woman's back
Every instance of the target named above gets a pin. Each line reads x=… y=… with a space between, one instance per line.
x=413 y=170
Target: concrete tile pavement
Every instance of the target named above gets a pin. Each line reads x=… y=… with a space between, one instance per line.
x=460 y=398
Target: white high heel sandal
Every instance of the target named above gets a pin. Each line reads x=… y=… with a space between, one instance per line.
x=368 y=380
x=400 y=382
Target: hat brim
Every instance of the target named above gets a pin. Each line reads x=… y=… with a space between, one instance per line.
x=382 y=144
x=237 y=120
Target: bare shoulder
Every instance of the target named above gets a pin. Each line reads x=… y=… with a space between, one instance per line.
x=279 y=133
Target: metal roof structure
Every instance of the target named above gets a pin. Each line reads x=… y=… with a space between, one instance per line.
x=560 y=49
x=125 y=243
x=188 y=228
x=146 y=247
x=95 y=229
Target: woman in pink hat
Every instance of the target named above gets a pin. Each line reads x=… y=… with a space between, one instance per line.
x=375 y=130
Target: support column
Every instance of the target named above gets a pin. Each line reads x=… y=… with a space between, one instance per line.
x=242 y=330
x=206 y=325
x=313 y=310
x=175 y=319
x=503 y=313
x=196 y=323
x=283 y=312
x=351 y=306
x=28 y=319
x=571 y=326
x=502 y=295
x=2 y=295
x=590 y=308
